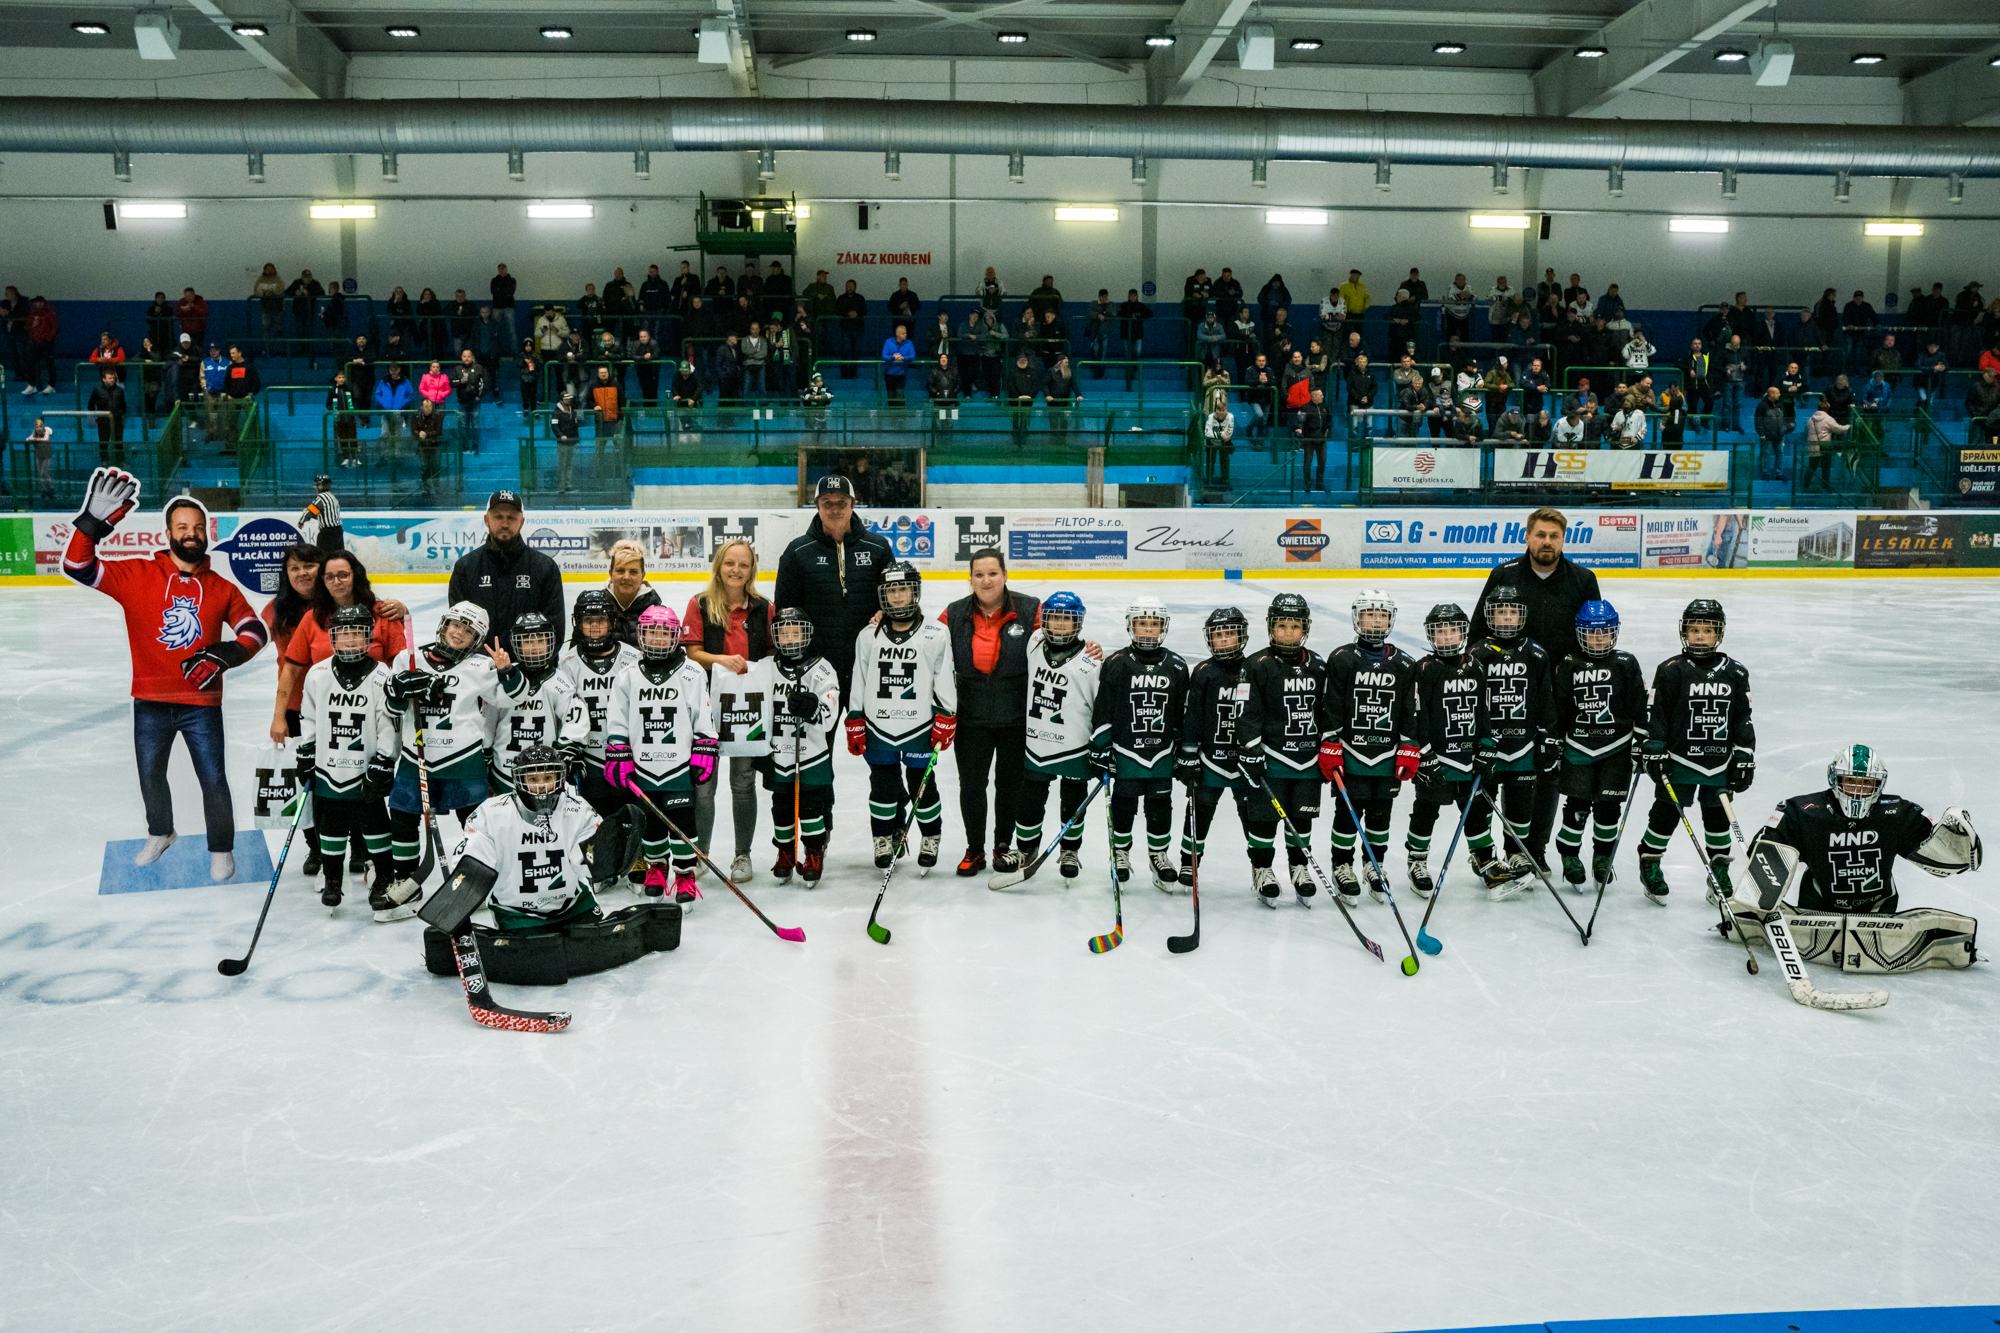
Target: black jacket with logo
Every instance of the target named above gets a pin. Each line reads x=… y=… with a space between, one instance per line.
x=834 y=583
x=1552 y=602
x=1001 y=695
x=508 y=584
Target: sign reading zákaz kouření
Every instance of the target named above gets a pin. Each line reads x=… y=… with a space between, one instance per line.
x=864 y=258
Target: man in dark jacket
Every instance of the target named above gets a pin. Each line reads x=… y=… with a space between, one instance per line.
x=831 y=573
x=505 y=576
x=1360 y=398
x=1553 y=588
x=1313 y=426
x=852 y=308
x=108 y=401
x=1773 y=421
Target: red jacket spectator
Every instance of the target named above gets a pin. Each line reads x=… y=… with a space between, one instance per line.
x=169 y=616
x=42 y=321
x=109 y=351
x=192 y=311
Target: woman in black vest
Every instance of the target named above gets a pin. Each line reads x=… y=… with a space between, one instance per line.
x=728 y=626
x=629 y=590
x=989 y=649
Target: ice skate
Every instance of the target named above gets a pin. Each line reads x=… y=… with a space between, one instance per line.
x=927 y=852
x=329 y=896
x=395 y=900
x=1265 y=881
x=1121 y=863
x=1164 y=874
x=781 y=869
x=655 y=883
x=885 y=851
x=1719 y=886
x=1348 y=886
x=1600 y=868
x=1572 y=868
x=812 y=867
x=1006 y=860
x=1518 y=876
x=1421 y=882
x=1068 y=863
x=1378 y=883
x=313 y=863
x=1303 y=885
x=1652 y=879
x=686 y=891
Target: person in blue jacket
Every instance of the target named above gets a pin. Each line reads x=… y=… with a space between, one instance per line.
x=898 y=355
x=394 y=396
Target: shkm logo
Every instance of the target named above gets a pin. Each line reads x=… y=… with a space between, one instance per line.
x=1303 y=541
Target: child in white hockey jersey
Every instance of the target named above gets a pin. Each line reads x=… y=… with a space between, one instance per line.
x=1062 y=694
x=591 y=665
x=805 y=701
x=659 y=739
x=438 y=693
x=902 y=708
x=547 y=713
x=347 y=750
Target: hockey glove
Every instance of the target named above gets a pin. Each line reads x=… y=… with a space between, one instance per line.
x=857 y=736
x=802 y=703
x=409 y=686
x=1329 y=759
x=701 y=760
x=1103 y=763
x=202 y=669
x=1655 y=755
x=302 y=762
x=1407 y=762
x=1187 y=765
x=1551 y=756
x=618 y=765
x=573 y=761
x=1742 y=771
x=107 y=498
x=944 y=730
x=1485 y=757
x=381 y=779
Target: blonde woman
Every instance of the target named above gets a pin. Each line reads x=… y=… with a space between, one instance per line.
x=727 y=629
x=629 y=589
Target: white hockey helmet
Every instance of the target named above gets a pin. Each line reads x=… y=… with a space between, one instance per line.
x=1856 y=778
x=469 y=614
x=1146 y=607
x=1373 y=599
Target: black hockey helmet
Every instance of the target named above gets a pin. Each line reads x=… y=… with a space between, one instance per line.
x=595 y=602
x=356 y=617
x=1288 y=606
x=1702 y=611
x=901 y=594
x=538 y=783
x=1443 y=616
x=792 y=634
x=1501 y=598
x=323 y=482
x=533 y=640
x=1225 y=618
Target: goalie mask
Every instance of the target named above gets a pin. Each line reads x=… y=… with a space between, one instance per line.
x=1374 y=615
x=472 y=617
x=1062 y=619
x=792 y=634
x=1506 y=613
x=352 y=633
x=533 y=642
x=901 y=595
x=1445 y=629
x=1146 y=623
x=1225 y=630
x=659 y=634
x=538 y=783
x=1856 y=778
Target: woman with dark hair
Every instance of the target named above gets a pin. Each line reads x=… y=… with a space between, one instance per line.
x=317 y=584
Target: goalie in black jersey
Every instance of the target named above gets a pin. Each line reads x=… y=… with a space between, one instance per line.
x=1600 y=697
x=1700 y=741
x=1370 y=737
x=1838 y=846
x=1288 y=680
x=1135 y=725
x=1221 y=749
x=1451 y=690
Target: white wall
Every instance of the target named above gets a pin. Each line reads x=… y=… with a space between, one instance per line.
x=449 y=219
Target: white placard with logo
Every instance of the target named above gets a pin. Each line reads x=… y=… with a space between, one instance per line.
x=1426 y=469
x=1620 y=469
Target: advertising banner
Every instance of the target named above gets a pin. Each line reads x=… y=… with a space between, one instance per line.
x=1481 y=538
x=1619 y=469
x=1919 y=539
x=1678 y=539
x=1426 y=469
x=1977 y=478
x=17 y=544
x=1801 y=540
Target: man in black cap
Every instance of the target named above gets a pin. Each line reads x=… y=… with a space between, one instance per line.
x=504 y=576
x=831 y=573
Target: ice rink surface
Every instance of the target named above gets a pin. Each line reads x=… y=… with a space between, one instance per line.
x=983 y=1126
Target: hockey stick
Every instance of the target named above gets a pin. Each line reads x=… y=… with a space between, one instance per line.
x=1538 y=873
x=433 y=845
x=792 y=933
x=1319 y=876
x=1191 y=942
x=1410 y=964
x=1106 y=943
x=1773 y=868
x=1729 y=809
x=798 y=738
x=1009 y=878
x=233 y=967
x=876 y=931
x=1591 y=927
x=479 y=999
x=1429 y=943
x=1721 y=898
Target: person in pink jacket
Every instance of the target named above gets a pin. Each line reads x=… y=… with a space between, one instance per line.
x=435 y=385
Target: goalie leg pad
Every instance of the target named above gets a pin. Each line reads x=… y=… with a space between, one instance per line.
x=1911 y=941
x=1953 y=846
x=551 y=956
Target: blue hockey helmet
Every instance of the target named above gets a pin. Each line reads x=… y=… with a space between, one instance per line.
x=1597 y=628
x=1066 y=608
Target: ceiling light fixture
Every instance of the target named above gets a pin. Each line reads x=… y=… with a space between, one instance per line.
x=1070 y=213
x=1893 y=229
x=1307 y=43
x=1729 y=55
x=558 y=34
x=1866 y=58
x=403 y=30
x=333 y=212
x=562 y=208
x=1700 y=226
x=1448 y=49
x=1590 y=53
x=1501 y=221
x=89 y=28
x=1161 y=39
x=250 y=30
x=1995 y=61
x=1012 y=38
x=802 y=212
x=860 y=34
x=1295 y=217
x=152 y=208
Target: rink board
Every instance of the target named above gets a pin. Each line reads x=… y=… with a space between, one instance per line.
x=421 y=545
x=1914 y=1319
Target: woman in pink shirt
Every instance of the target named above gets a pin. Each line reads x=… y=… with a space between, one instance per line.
x=435 y=385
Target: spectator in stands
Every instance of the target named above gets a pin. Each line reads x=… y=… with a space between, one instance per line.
x=1673 y=415
x=192 y=312
x=153 y=359
x=1360 y=398
x=655 y=300
x=1404 y=313
x=1964 y=325
x=1311 y=428
x=470 y=383
x=1735 y=374
x=1195 y=292
x=1318 y=363
x=1498 y=387
x=1570 y=429
x=719 y=288
x=460 y=317
x=1627 y=429
x=1458 y=302
x=1417 y=287
x=728 y=364
x=1773 y=422
x=1260 y=388
x=108 y=401
x=435 y=385
x=1210 y=340
x=701 y=335
x=990 y=293
x=240 y=385
x=1132 y=316
x=394 y=396
x=551 y=330
x=1218 y=433
x=340 y=405
x=486 y=346
x=159 y=321
x=903 y=304
x=269 y=291
x=1440 y=402
x=1982 y=396
x=1060 y=395
x=1875 y=393
x=1214 y=385
x=1534 y=389
x=214 y=375
x=1838 y=400
x=621 y=304
x=528 y=373
x=433 y=332
x=1639 y=353
x=1503 y=306
x=687 y=392
x=303 y=292
x=607 y=411
x=1791 y=388
x=109 y=352
x=1294 y=385
x=1272 y=297
x=427 y=429
x=1020 y=390
x=898 y=355
x=1989 y=360
x=852 y=309
x=1228 y=296
x=1045 y=297
x=1821 y=428
x=942 y=385
x=1052 y=334
x=1888 y=360
x=1413 y=399
x=1697 y=374
x=361 y=372
x=803 y=335
x=402 y=316
x=756 y=353
x=43 y=325
x=501 y=288
x=979 y=354
x=777 y=289
x=1243 y=340
x=819 y=298
x=41 y=444
x=566 y=430
x=1510 y=427
x=645 y=353
x=1097 y=331
x=940 y=336
x=590 y=314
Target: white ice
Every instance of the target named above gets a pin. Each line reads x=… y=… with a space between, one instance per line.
x=983 y=1126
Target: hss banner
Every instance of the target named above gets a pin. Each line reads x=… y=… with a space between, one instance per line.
x=1619 y=469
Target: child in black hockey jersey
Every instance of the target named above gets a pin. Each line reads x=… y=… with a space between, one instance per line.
x=1288 y=680
x=1600 y=698
x=1700 y=741
x=1135 y=726
x=1451 y=691
x=1222 y=749
x=1520 y=741
x=1369 y=742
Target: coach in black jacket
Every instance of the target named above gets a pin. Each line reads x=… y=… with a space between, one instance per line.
x=831 y=573
x=1554 y=588
x=506 y=576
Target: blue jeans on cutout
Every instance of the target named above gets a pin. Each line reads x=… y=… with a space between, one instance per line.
x=154 y=726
